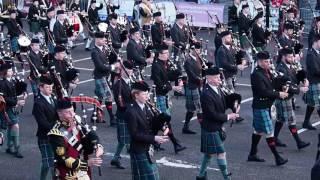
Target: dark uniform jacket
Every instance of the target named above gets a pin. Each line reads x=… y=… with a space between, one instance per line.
x=8 y=89
x=289 y=74
x=59 y=33
x=245 y=24
x=135 y=53
x=217 y=43
x=121 y=88
x=45 y=115
x=233 y=17
x=226 y=59
x=179 y=37
x=36 y=59
x=193 y=69
x=213 y=108
x=258 y=36
x=102 y=67
x=116 y=43
x=313 y=66
x=61 y=67
x=75 y=7
x=157 y=35
x=93 y=15
x=13 y=28
x=140 y=128
x=33 y=11
x=285 y=42
x=263 y=91
x=159 y=75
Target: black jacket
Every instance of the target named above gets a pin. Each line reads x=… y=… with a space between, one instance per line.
x=13 y=28
x=140 y=128
x=159 y=75
x=75 y=7
x=45 y=115
x=263 y=91
x=179 y=37
x=61 y=67
x=232 y=16
x=94 y=16
x=245 y=24
x=193 y=69
x=59 y=33
x=36 y=59
x=135 y=53
x=285 y=42
x=217 y=43
x=311 y=35
x=213 y=108
x=121 y=88
x=33 y=10
x=291 y=76
x=226 y=59
x=102 y=67
x=8 y=89
x=313 y=66
x=116 y=43
x=157 y=35
x=258 y=36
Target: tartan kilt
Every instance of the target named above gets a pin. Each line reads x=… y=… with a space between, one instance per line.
x=192 y=99
x=14 y=44
x=162 y=104
x=244 y=42
x=13 y=117
x=312 y=96
x=211 y=142
x=102 y=89
x=47 y=155
x=34 y=26
x=262 y=122
x=123 y=132
x=142 y=168
x=285 y=111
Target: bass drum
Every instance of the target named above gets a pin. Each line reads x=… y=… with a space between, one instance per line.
x=255 y=7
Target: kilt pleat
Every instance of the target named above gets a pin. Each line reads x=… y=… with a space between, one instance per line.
x=192 y=100
x=163 y=105
x=285 y=111
x=47 y=155
x=102 y=89
x=14 y=44
x=123 y=131
x=244 y=42
x=211 y=142
x=34 y=26
x=262 y=122
x=312 y=96
x=142 y=168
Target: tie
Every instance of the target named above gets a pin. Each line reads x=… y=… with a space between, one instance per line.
x=52 y=102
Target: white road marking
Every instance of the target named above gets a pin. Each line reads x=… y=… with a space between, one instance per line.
x=85 y=69
x=303 y=129
x=240 y=84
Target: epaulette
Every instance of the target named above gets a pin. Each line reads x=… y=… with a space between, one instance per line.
x=55 y=132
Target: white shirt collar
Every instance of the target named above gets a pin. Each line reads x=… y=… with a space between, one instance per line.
x=46 y=97
x=215 y=88
x=140 y=105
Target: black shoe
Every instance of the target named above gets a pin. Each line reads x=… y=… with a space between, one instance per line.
x=280 y=161
x=117 y=164
x=178 y=94
x=88 y=49
x=255 y=158
x=178 y=148
x=279 y=143
x=85 y=39
x=302 y=145
x=18 y=155
x=239 y=119
x=309 y=127
x=202 y=178
x=187 y=131
x=9 y=151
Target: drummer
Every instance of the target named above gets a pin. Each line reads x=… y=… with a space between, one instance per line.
x=14 y=32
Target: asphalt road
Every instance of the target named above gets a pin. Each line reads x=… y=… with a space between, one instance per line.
x=185 y=165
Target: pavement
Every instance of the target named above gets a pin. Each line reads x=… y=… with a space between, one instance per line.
x=185 y=165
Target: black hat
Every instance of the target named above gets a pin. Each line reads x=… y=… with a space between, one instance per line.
x=124 y=35
x=263 y=55
x=5 y=65
x=180 y=16
x=60 y=12
x=141 y=86
x=297 y=48
x=113 y=16
x=50 y=9
x=72 y=74
x=317 y=18
x=156 y=14
x=64 y=103
x=225 y=33
x=128 y=64
x=46 y=80
x=11 y=11
x=245 y=6
x=288 y=25
x=93 y=1
x=99 y=34
x=197 y=45
x=61 y=2
x=315 y=38
x=286 y=51
x=163 y=47
x=59 y=48
x=134 y=30
x=35 y=40
x=212 y=71
x=291 y=10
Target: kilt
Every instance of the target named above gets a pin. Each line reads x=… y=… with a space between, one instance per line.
x=211 y=142
x=285 y=111
x=123 y=132
x=262 y=122
x=192 y=100
x=102 y=89
x=244 y=42
x=47 y=154
x=142 y=168
x=312 y=96
x=34 y=26
x=12 y=114
x=14 y=44
x=34 y=86
x=162 y=104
